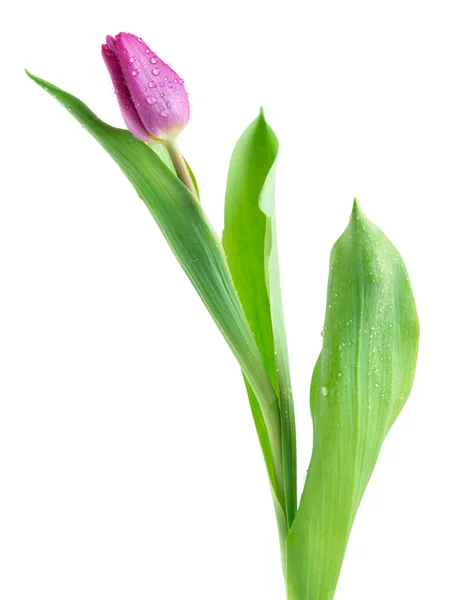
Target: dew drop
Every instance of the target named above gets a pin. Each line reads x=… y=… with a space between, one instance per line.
x=164 y=113
x=153 y=60
x=170 y=84
x=169 y=105
x=175 y=80
x=151 y=100
x=147 y=51
x=131 y=60
x=155 y=71
x=162 y=84
x=324 y=391
x=152 y=84
x=134 y=73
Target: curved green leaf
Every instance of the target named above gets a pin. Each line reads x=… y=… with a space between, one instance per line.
x=360 y=383
x=199 y=252
x=249 y=240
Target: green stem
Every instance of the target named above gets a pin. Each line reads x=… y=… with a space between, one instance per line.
x=180 y=166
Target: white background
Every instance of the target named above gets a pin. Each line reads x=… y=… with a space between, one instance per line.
x=129 y=466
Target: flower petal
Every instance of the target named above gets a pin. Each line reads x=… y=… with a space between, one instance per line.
x=127 y=107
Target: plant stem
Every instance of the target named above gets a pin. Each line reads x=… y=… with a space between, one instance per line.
x=180 y=166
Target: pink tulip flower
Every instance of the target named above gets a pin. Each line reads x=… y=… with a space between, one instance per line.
x=152 y=97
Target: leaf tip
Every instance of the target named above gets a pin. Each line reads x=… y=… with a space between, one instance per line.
x=356 y=209
x=35 y=78
x=261 y=118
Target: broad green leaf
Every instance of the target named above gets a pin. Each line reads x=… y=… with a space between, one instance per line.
x=249 y=240
x=199 y=252
x=360 y=383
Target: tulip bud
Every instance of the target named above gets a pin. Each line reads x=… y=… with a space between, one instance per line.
x=151 y=96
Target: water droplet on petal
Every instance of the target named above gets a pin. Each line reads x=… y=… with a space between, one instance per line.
x=324 y=391
x=155 y=71
x=152 y=84
x=151 y=100
x=162 y=84
x=153 y=60
x=169 y=104
x=170 y=85
x=181 y=81
x=164 y=113
x=175 y=80
x=131 y=60
x=147 y=51
x=134 y=73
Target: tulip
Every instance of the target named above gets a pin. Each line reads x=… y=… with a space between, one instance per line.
x=152 y=97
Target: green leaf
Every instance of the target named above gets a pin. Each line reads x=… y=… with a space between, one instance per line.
x=199 y=252
x=360 y=383
x=249 y=240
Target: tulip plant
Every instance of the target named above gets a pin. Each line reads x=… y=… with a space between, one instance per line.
x=365 y=370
